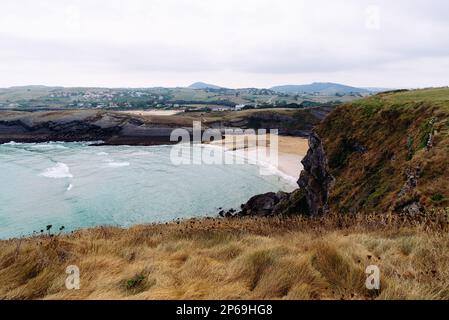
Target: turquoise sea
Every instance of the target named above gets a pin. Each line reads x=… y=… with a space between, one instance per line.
x=79 y=185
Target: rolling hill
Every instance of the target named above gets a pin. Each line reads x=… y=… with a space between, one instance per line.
x=202 y=85
x=319 y=87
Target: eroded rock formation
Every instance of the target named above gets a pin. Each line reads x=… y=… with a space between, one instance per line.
x=315 y=180
x=312 y=196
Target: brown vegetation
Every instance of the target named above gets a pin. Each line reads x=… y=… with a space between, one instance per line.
x=389 y=152
x=255 y=258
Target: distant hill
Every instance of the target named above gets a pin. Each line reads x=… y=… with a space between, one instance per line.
x=377 y=90
x=319 y=87
x=202 y=85
x=197 y=95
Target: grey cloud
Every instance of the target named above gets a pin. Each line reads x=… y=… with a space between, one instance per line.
x=410 y=31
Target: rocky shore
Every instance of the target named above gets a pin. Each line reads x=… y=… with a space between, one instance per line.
x=110 y=127
x=128 y=128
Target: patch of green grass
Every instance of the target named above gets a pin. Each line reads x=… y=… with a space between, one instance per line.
x=135 y=282
x=410 y=149
x=375 y=197
x=426 y=131
x=437 y=197
x=371 y=105
x=429 y=95
x=339 y=159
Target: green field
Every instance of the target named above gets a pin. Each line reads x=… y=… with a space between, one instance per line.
x=41 y=97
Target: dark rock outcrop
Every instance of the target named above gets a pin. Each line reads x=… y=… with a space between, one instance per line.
x=408 y=199
x=83 y=125
x=412 y=209
x=311 y=198
x=298 y=124
x=411 y=176
x=315 y=180
x=264 y=204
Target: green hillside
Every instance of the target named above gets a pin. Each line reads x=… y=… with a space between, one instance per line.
x=389 y=152
x=321 y=88
x=199 y=96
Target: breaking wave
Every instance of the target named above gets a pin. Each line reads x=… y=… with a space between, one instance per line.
x=59 y=171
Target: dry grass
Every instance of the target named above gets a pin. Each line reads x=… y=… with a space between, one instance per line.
x=264 y=258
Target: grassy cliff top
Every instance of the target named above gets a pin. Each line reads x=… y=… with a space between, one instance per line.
x=389 y=151
x=435 y=95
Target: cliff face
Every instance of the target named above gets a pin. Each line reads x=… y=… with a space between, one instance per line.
x=125 y=128
x=386 y=153
x=389 y=152
x=82 y=125
x=298 y=122
x=312 y=198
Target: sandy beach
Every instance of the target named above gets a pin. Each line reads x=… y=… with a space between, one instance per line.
x=152 y=112
x=291 y=150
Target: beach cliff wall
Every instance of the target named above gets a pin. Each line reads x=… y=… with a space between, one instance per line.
x=385 y=153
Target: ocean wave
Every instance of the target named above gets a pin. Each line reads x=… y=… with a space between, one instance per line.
x=34 y=146
x=59 y=171
x=47 y=146
x=269 y=169
x=11 y=143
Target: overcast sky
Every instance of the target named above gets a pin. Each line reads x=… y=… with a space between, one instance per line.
x=233 y=43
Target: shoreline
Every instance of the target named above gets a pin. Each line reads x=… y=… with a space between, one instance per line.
x=133 y=127
x=291 y=151
x=287 y=168
x=162 y=113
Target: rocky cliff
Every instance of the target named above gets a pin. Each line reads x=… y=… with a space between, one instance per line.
x=83 y=125
x=292 y=122
x=130 y=128
x=389 y=152
x=315 y=180
x=386 y=153
x=315 y=184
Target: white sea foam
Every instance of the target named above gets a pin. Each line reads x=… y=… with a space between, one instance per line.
x=118 y=164
x=141 y=153
x=271 y=169
x=266 y=166
x=102 y=154
x=11 y=143
x=60 y=170
x=70 y=187
x=48 y=145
